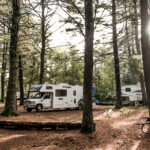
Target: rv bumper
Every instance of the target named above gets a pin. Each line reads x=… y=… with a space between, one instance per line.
x=31 y=106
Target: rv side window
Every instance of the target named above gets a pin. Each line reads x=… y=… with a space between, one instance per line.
x=60 y=93
x=128 y=89
x=74 y=93
x=47 y=96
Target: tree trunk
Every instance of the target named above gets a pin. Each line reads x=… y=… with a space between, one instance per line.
x=126 y=28
x=10 y=105
x=21 y=81
x=144 y=99
x=137 y=42
x=3 y=74
x=145 y=46
x=3 y=77
x=136 y=28
x=116 y=58
x=43 y=42
x=87 y=120
x=39 y=125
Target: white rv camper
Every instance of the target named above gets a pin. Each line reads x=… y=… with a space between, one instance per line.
x=132 y=92
x=56 y=96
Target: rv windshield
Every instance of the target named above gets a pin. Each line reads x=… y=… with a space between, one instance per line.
x=37 y=96
x=31 y=94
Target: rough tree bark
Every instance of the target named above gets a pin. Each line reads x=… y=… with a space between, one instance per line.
x=10 y=105
x=142 y=82
x=126 y=29
x=136 y=28
x=3 y=74
x=145 y=46
x=39 y=125
x=116 y=58
x=43 y=37
x=4 y=62
x=21 y=81
x=137 y=42
x=87 y=120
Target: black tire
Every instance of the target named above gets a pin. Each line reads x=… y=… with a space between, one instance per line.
x=39 y=108
x=29 y=109
x=80 y=106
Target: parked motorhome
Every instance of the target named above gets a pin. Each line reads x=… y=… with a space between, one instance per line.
x=132 y=92
x=56 y=97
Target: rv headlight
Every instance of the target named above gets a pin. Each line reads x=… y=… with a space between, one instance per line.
x=32 y=103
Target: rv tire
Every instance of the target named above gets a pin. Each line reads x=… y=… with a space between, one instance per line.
x=29 y=109
x=39 y=108
x=80 y=106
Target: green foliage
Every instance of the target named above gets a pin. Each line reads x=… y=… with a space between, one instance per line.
x=65 y=67
x=131 y=69
x=105 y=80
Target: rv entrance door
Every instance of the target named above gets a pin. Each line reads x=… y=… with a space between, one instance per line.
x=47 y=100
x=60 y=98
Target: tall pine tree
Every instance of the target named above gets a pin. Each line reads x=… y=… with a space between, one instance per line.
x=87 y=120
x=145 y=45
x=116 y=57
x=10 y=105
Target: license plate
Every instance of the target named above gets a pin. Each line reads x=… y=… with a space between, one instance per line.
x=25 y=107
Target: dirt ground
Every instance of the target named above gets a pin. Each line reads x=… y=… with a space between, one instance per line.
x=115 y=130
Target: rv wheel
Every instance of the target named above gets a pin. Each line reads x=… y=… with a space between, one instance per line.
x=39 y=108
x=80 y=106
x=29 y=109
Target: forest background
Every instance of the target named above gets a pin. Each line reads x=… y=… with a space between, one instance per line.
x=51 y=44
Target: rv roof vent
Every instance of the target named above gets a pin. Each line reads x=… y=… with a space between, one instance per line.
x=65 y=86
x=49 y=87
